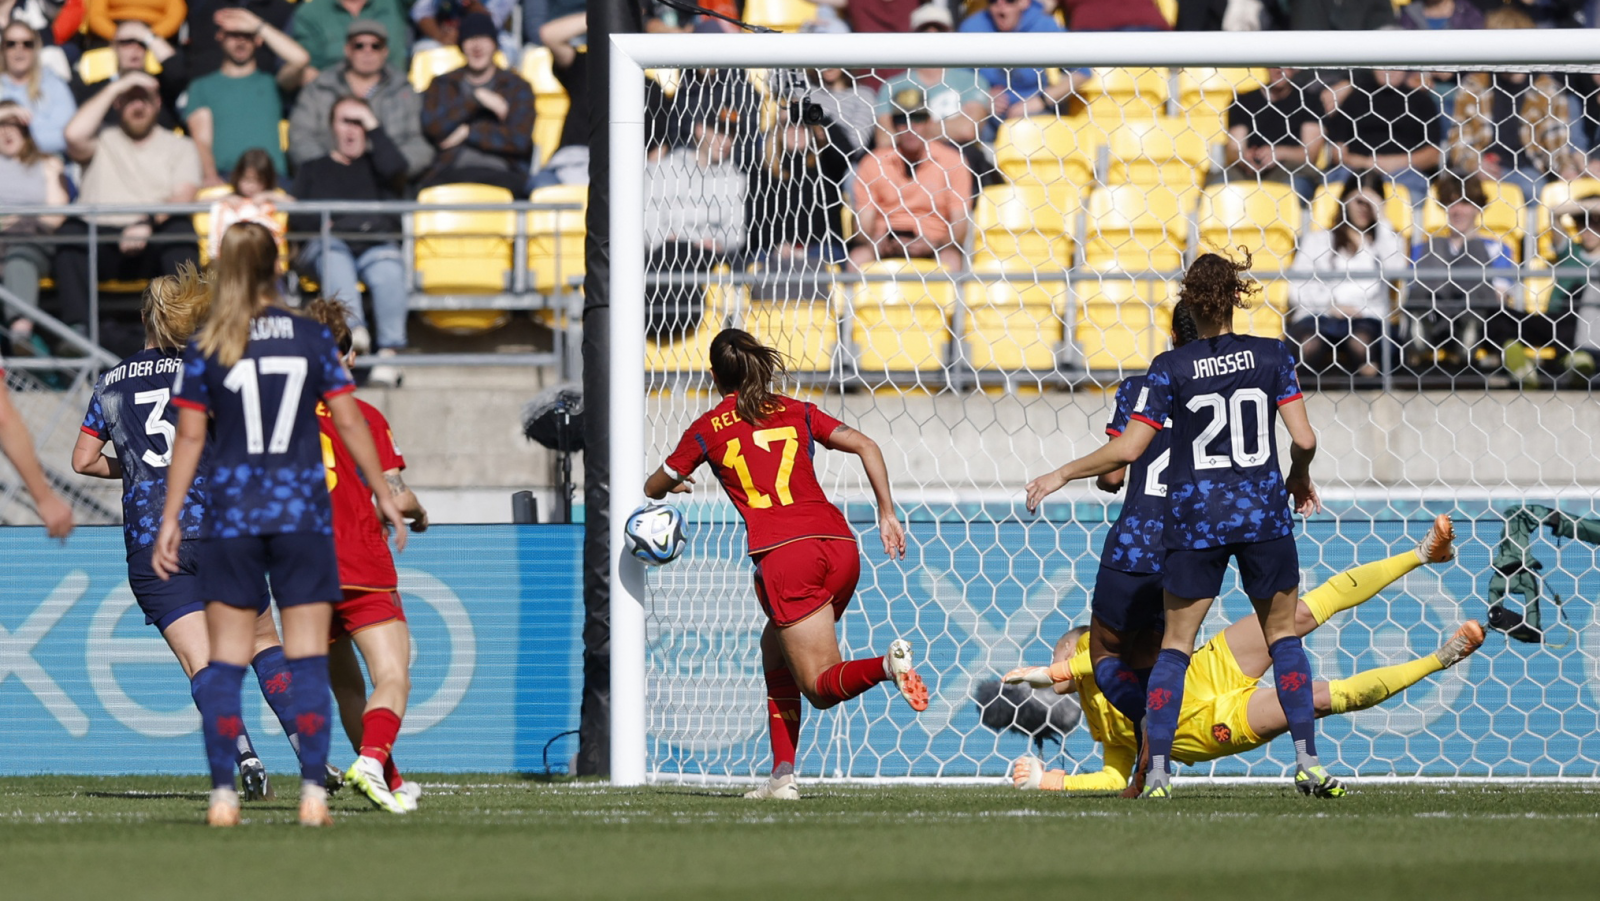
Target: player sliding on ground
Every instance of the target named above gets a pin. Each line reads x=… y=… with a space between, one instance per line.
x=1227 y=498
x=1224 y=709
x=760 y=445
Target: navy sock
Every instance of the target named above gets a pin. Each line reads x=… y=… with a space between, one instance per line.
x=216 y=693
x=313 y=714
x=277 y=686
x=1292 y=671
x=1163 y=700
x=1121 y=687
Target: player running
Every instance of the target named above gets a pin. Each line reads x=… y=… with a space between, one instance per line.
x=1224 y=711
x=370 y=613
x=760 y=445
x=17 y=446
x=1227 y=498
x=253 y=376
x=131 y=409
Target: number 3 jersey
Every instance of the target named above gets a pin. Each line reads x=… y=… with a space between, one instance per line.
x=1221 y=395
x=1134 y=544
x=766 y=470
x=265 y=472
x=132 y=409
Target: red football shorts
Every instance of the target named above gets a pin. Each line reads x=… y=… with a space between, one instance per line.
x=362 y=609
x=797 y=579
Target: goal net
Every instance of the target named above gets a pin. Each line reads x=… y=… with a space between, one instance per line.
x=964 y=259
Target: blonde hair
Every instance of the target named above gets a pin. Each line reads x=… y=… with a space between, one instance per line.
x=246 y=268
x=36 y=74
x=174 y=306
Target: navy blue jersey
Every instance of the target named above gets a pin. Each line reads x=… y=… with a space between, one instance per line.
x=132 y=409
x=1134 y=544
x=1222 y=396
x=265 y=472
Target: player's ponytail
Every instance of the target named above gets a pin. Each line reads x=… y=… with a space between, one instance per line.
x=334 y=315
x=1184 y=328
x=744 y=366
x=174 y=306
x=246 y=269
x=1215 y=286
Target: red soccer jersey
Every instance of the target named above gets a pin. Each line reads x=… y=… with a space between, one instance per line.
x=358 y=535
x=766 y=470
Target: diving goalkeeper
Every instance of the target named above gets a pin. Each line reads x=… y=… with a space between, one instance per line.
x=1223 y=711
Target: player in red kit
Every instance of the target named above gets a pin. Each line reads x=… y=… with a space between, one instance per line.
x=370 y=615
x=760 y=446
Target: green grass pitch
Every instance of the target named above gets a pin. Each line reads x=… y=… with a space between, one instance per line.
x=122 y=839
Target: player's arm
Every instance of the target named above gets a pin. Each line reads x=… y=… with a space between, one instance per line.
x=1111 y=482
x=844 y=438
x=1113 y=776
x=406 y=500
x=186 y=448
x=1302 y=449
x=662 y=483
x=353 y=430
x=17 y=445
x=1119 y=452
x=89 y=459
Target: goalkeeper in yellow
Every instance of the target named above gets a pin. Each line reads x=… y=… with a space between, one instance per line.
x=1223 y=711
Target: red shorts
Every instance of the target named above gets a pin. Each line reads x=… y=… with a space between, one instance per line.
x=363 y=609
x=797 y=579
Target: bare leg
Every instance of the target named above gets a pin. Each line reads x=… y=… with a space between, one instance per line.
x=349 y=688
x=1184 y=618
x=187 y=638
x=1266 y=717
x=387 y=650
x=266 y=633
x=232 y=633
x=305 y=630
x=810 y=647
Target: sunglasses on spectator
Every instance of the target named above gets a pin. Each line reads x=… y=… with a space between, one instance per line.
x=356 y=122
x=367 y=45
x=27 y=43
x=128 y=42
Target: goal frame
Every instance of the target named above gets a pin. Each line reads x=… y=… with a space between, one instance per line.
x=631 y=54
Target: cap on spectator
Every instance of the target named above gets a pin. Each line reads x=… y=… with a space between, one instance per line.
x=476 y=25
x=367 y=26
x=934 y=13
x=724 y=120
x=909 y=106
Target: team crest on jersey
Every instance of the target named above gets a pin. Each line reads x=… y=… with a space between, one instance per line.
x=1222 y=733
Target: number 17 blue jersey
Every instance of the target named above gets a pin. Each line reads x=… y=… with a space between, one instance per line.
x=265 y=473
x=1222 y=395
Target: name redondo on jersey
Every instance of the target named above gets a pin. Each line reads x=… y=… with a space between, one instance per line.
x=144 y=369
x=269 y=327
x=1210 y=367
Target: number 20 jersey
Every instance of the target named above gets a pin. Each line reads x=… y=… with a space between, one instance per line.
x=265 y=475
x=766 y=470
x=132 y=408
x=1221 y=394
x=1134 y=543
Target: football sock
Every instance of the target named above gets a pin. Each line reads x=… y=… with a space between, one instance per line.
x=1162 y=703
x=391 y=773
x=843 y=681
x=242 y=748
x=783 y=716
x=313 y=712
x=1121 y=687
x=216 y=693
x=1357 y=586
x=1292 y=672
x=1374 y=686
x=379 y=727
x=277 y=686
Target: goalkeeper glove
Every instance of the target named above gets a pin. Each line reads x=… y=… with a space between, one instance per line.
x=1039 y=676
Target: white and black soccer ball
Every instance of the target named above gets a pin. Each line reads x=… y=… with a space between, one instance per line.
x=655 y=534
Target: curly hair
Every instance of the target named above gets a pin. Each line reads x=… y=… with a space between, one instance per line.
x=1215 y=286
x=336 y=316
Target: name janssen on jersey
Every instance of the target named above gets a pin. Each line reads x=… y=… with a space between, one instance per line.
x=1209 y=367
x=270 y=327
x=144 y=369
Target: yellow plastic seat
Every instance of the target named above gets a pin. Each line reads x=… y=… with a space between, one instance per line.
x=100 y=64
x=1397 y=209
x=1166 y=151
x=464 y=252
x=903 y=325
x=1501 y=217
x=1026 y=225
x=556 y=239
x=805 y=331
x=1134 y=228
x=1046 y=149
x=691 y=351
x=1013 y=324
x=426 y=65
x=780 y=15
x=1264 y=218
x=1123 y=323
x=1554 y=195
x=466 y=322
x=1120 y=94
x=1269 y=313
x=202 y=221
x=1208 y=91
x=551 y=104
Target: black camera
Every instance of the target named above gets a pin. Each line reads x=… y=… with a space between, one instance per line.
x=805 y=112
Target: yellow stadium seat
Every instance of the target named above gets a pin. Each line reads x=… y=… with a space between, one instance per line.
x=1025 y=225
x=100 y=64
x=1263 y=218
x=692 y=351
x=1012 y=323
x=1268 y=313
x=1169 y=10
x=426 y=65
x=780 y=15
x=556 y=239
x=202 y=221
x=1502 y=214
x=1045 y=149
x=1119 y=94
x=551 y=104
x=806 y=331
x=1166 y=151
x=1397 y=209
x=464 y=252
x=1538 y=288
x=1206 y=91
x=1123 y=323
x=1136 y=229
x=466 y=322
x=904 y=325
x=1554 y=195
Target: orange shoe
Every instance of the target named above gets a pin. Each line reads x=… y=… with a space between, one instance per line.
x=1467 y=640
x=1438 y=545
x=314 y=812
x=222 y=815
x=898 y=663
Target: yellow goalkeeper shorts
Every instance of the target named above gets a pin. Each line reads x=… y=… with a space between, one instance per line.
x=1215 y=720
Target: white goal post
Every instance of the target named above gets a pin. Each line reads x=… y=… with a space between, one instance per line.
x=630 y=454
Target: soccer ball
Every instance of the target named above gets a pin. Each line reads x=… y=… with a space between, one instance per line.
x=655 y=534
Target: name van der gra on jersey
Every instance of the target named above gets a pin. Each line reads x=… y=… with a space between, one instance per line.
x=1208 y=367
x=718 y=423
x=144 y=369
x=270 y=327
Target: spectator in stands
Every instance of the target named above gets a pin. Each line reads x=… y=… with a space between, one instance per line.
x=365 y=164
x=164 y=17
x=44 y=95
x=439 y=23
x=28 y=177
x=911 y=197
x=479 y=117
x=955 y=98
x=877 y=16
x=1576 y=298
x=203 y=54
x=848 y=102
x=1114 y=15
x=365 y=73
x=569 y=164
x=707 y=92
x=1389 y=125
x=325 y=27
x=238 y=107
x=255 y=198
x=134 y=162
x=1022 y=92
x=1274 y=134
x=795 y=195
x=1338 y=307
x=134 y=42
x=694 y=219
x=1463 y=277
x=1552 y=13
x=1223 y=15
x=1440 y=15
x=1345 y=15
